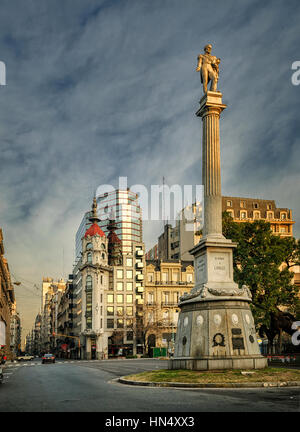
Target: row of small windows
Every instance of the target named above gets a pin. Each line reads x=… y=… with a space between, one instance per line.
x=119 y=298
x=89 y=257
x=243 y=204
x=257 y=215
x=175 y=277
x=89 y=246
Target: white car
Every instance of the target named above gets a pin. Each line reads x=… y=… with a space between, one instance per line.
x=25 y=357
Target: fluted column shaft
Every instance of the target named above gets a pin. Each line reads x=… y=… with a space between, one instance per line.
x=210 y=108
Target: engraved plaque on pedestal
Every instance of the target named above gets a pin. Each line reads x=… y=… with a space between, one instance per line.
x=200 y=265
x=219 y=266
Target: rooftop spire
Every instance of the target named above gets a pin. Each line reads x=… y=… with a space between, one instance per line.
x=94 y=218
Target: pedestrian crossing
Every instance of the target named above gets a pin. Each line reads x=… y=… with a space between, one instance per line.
x=17 y=365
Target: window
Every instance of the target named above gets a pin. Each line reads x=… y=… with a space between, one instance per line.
x=120 y=311
x=110 y=310
x=129 y=262
x=129 y=323
x=89 y=257
x=129 y=298
x=103 y=256
x=229 y=203
x=129 y=310
x=110 y=323
x=120 y=298
x=166 y=297
x=150 y=277
x=89 y=246
x=103 y=246
x=243 y=204
x=129 y=286
x=256 y=215
x=270 y=215
x=243 y=215
x=283 y=216
x=165 y=277
x=255 y=205
x=110 y=298
x=129 y=336
x=150 y=297
x=175 y=276
x=119 y=286
x=166 y=315
x=89 y=282
x=231 y=212
x=189 y=277
x=269 y=206
x=282 y=229
x=120 y=274
x=120 y=323
x=89 y=301
x=129 y=274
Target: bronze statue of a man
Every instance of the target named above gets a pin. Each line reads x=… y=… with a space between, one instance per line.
x=208 y=66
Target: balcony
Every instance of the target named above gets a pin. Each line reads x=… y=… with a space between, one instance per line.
x=167 y=323
x=169 y=304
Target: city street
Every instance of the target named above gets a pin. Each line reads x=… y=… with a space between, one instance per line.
x=87 y=386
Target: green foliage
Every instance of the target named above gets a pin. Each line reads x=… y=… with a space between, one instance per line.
x=262 y=261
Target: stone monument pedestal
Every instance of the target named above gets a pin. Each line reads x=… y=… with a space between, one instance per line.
x=215 y=329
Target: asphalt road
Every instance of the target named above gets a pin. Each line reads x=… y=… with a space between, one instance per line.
x=89 y=386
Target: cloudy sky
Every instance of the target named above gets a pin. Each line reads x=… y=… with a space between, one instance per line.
x=98 y=89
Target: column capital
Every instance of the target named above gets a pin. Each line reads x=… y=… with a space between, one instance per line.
x=211 y=103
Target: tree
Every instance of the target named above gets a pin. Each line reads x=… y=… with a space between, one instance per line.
x=262 y=261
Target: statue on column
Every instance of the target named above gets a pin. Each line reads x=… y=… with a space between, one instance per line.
x=208 y=66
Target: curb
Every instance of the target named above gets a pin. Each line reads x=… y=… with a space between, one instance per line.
x=123 y=380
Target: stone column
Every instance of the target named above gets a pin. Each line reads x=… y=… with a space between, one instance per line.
x=215 y=329
x=210 y=109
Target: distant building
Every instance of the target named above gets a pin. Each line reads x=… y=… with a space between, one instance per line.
x=52 y=291
x=252 y=209
x=7 y=301
x=15 y=331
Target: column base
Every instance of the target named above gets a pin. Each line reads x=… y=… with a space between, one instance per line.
x=213 y=363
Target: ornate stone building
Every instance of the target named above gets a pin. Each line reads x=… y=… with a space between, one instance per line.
x=165 y=282
x=108 y=289
x=251 y=209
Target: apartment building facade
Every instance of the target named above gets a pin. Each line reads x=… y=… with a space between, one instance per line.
x=7 y=300
x=165 y=282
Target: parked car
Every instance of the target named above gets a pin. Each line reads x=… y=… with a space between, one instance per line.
x=48 y=358
x=25 y=357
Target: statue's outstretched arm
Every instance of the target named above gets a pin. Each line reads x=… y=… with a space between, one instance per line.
x=199 y=63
